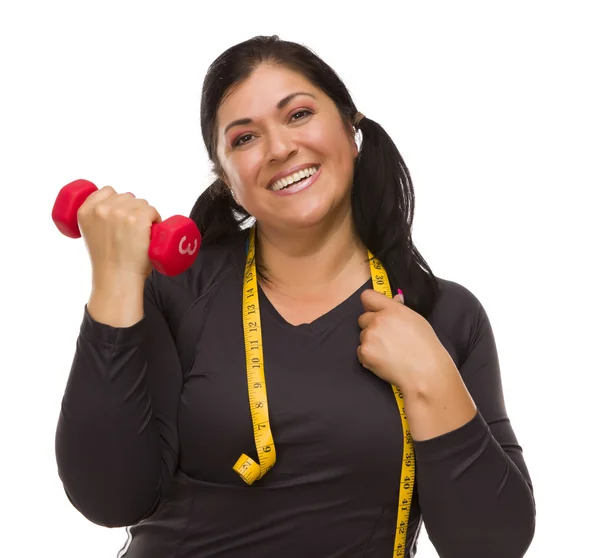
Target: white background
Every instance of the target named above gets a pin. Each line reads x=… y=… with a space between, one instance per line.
x=494 y=107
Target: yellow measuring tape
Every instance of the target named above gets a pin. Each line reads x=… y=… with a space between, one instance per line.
x=245 y=466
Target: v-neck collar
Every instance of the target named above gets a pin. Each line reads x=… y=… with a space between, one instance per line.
x=319 y=325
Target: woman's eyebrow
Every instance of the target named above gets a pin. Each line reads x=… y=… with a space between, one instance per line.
x=280 y=105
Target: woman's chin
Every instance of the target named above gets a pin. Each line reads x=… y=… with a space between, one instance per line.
x=310 y=212
x=307 y=222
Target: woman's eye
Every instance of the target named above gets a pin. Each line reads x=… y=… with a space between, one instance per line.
x=239 y=140
x=301 y=112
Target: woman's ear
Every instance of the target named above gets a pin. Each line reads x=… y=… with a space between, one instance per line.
x=352 y=133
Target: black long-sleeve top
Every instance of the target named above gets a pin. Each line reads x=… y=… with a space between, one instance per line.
x=155 y=415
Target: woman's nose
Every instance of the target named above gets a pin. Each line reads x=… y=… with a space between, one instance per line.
x=280 y=144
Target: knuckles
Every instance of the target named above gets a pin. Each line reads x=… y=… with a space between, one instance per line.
x=106 y=210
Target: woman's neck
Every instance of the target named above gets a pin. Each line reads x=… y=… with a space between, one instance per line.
x=312 y=260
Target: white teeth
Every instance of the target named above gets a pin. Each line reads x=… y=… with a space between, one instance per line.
x=286 y=181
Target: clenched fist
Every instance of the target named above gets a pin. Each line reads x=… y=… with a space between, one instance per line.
x=396 y=343
x=116 y=230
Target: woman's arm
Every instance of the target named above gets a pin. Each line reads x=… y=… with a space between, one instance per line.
x=116 y=440
x=474 y=488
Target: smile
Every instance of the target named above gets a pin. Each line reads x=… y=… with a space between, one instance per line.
x=296 y=182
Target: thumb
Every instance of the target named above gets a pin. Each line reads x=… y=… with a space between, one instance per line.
x=399 y=297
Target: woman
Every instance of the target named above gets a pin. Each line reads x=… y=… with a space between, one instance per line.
x=274 y=399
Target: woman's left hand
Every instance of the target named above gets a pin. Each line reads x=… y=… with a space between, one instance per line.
x=398 y=344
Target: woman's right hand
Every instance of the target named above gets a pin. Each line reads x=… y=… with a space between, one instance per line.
x=116 y=231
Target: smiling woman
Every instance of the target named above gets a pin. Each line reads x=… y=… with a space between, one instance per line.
x=272 y=107
x=275 y=400
x=286 y=133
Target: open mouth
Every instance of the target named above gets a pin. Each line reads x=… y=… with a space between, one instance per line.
x=297 y=179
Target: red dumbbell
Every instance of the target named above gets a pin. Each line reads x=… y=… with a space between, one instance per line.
x=174 y=243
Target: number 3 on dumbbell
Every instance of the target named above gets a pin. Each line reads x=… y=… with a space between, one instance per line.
x=166 y=251
x=188 y=250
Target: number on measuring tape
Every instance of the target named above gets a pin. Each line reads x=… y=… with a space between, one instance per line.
x=245 y=466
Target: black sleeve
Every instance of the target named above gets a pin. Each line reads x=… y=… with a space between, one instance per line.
x=116 y=439
x=474 y=488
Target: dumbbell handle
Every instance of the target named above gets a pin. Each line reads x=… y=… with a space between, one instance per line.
x=174 y=243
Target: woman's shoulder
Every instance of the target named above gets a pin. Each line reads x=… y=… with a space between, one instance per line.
x=454 y=299
x=216 y=261
x=456 y=315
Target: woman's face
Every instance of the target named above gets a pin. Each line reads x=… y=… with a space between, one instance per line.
x=272 y=126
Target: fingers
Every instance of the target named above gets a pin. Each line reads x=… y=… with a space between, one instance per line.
x=100 y=195
x=117 y=230
x=153 y=213
x=106 y=196
x=107 y=201
x=132 y=204
x=360 y=356
x=365 y=319
x=374 y=301
x=400 y=296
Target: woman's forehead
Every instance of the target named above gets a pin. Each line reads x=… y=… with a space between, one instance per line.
x=261 y=92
